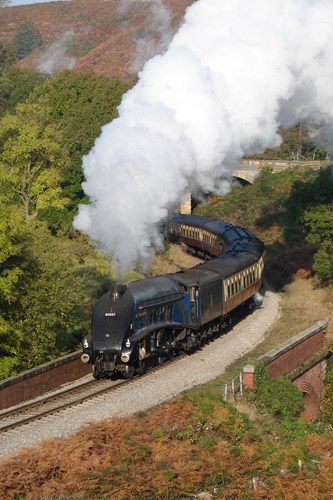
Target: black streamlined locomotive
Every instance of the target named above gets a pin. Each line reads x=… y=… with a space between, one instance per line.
x=140 y=324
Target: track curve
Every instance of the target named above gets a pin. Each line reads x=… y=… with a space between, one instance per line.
x=156 y=387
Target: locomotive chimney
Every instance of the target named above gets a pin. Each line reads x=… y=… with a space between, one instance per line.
x=118 y=291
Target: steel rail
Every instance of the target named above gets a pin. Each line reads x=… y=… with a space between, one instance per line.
x=53 y=403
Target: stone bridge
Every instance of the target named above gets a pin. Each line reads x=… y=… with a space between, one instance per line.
x=249 y=170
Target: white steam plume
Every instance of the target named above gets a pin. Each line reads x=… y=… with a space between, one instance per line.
x=232 y=74
x=157 y=34
x=54 y=57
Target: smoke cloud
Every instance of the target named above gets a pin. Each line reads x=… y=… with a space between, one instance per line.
x=232 y=74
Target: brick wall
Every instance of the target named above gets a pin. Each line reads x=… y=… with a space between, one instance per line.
x=302 y=360
x=309 y=383
x=293 y=353
x=296 y=355
x=37 y=381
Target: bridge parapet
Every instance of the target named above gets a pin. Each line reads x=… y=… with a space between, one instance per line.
x=249 y=170
x=302 y=359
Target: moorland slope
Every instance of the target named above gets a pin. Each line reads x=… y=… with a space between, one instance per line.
x=113 y=38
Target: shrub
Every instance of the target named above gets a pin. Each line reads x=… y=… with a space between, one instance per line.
x=327 y=393
x=27 y=39
x=279 y=396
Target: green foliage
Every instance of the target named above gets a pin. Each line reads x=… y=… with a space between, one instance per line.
x=8 y=365
x=27 y=39
x=327 y=393
x=45 y=299
x=287 y=209
x=262 y=205
x=323 y=263
x=32 y=161
x=50 y=314
x=16 y=84
x=80 y=104
x=309 y=190
x=50 y=297
x=296 y=145
x=48 y=307
x=319 y=222
x=7 y=56
x=12 y=232
x=278 y=395
x=12 y=236
x=157 y=433
x=196 y=433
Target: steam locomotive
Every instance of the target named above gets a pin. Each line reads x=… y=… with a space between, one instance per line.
x=148 y=321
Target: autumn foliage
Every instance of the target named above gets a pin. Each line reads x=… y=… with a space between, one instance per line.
x=177 y=450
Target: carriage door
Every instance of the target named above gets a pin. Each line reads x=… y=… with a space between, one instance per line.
x=194 y=303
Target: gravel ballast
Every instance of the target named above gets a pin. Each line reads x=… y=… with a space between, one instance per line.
x=155 y=388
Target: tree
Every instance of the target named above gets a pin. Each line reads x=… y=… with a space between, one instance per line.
x=326 y=410
x=11 y=231
x=51 y=298
x=317 y=219
x=43 y=302
x=319 y=222
x=26 y=39
x=12 y=238
x=296 y=145
x=7 y=56
x=323 y=263
x=16 y=84
x=32 y=161
x=80 y=104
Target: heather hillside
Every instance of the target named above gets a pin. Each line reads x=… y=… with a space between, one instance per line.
x=112 y=38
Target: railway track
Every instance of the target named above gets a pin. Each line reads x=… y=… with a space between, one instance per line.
x=20 y=415
x=53 y=402
x=25 y=413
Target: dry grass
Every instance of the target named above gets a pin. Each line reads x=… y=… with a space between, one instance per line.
x=174 y=452
x=302 y=304
x=172 y=260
